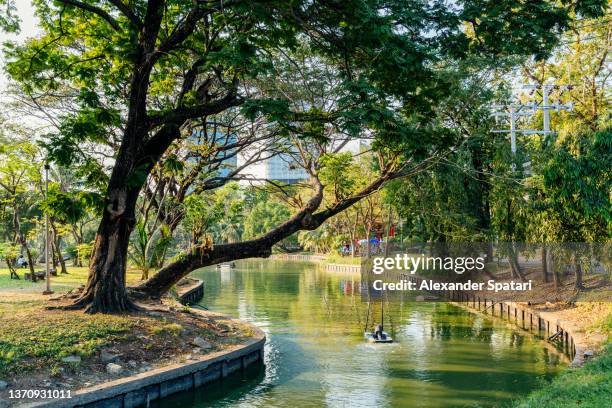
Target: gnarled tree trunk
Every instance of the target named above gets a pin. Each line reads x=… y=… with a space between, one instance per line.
x=106 y=286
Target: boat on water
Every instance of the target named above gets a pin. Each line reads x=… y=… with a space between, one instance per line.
x=226 y=266
x=385 y=338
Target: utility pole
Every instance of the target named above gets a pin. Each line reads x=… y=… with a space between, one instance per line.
x=514 y=112
x=48 y=290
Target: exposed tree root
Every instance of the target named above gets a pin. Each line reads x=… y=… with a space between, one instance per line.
x=91 y=305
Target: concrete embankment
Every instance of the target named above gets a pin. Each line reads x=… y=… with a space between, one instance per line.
x=190 y=291
x=330 y=267
x=141 y=389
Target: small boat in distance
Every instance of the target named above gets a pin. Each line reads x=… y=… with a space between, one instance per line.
x=369 y=336
x=226 y=265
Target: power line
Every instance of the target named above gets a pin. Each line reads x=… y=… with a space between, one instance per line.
x=515 y=111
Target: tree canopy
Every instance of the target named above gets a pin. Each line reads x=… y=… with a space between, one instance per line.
x=124 y=83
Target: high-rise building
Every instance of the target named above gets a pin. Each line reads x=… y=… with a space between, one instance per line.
x=283 y=166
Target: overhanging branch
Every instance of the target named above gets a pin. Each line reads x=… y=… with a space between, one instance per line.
x=95 y=10
x=127 y=11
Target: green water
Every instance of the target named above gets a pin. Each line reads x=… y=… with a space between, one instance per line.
x=316 y=356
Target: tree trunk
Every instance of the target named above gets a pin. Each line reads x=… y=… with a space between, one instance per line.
x=57 y=244
x=24 y=244
x=25 y=247
x=53 y=254
x=550 y=263
x=106 y=289
x=515 y=267
x=489 y=256
x=11 y=266
x=78 y=240
x=578 y=271
x=544 y=264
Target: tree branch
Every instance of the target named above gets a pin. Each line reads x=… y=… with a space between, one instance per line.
x=261 y=247
x=127 y=11
x=95 y=10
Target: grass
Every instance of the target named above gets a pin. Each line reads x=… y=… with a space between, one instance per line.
x=34 y=338
x=75 y=277
x=343 y=260
x=586 y=387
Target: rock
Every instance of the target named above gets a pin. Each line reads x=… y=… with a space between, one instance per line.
x=201 y=343
x=145 y=367
x=188 y=357
x=3 y=385
x=72 y=359
x=114 y=369
x=108 y=357
x=588 y=354
x=132 y=363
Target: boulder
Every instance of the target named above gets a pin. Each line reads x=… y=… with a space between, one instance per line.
x=114 y=369
x=108 y=357
x=72 y=359
x=201 y=343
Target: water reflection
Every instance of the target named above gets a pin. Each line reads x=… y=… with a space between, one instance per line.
x=316 y=356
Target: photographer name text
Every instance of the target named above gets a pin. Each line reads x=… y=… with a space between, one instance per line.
x=430 y=285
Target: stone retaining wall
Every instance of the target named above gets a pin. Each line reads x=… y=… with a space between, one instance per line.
x=343 y=268
x=140 y=389
x=298 y=257
x=194 y=294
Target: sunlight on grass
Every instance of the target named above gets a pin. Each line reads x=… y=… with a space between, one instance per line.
x=587 y=387
x=34 y=338
x=75 y=277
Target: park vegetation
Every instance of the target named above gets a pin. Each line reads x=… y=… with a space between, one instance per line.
x=144 y=104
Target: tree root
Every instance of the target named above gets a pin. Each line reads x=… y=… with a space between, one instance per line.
x=89 y=304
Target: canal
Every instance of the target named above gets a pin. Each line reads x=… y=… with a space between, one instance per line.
x=316 y=357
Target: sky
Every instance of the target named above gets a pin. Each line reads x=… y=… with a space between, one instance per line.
x=28 y=29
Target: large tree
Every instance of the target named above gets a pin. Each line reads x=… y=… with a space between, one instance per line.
x=129 y=77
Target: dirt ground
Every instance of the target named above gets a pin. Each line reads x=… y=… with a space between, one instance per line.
x=68 y=350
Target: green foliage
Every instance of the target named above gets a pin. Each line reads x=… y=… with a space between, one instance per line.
x=219 y=214
x=89 y=57
x=84 y=251
x=589 y=386
x=263 y=216
x=575 y=190
x=322 y=240
x=147 y=250
x=335 y=173
x=29 y=344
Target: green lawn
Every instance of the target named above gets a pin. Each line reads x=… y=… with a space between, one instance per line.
x=33 y=338
x=63 y=282
x=586 y=387
x=344 y=260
